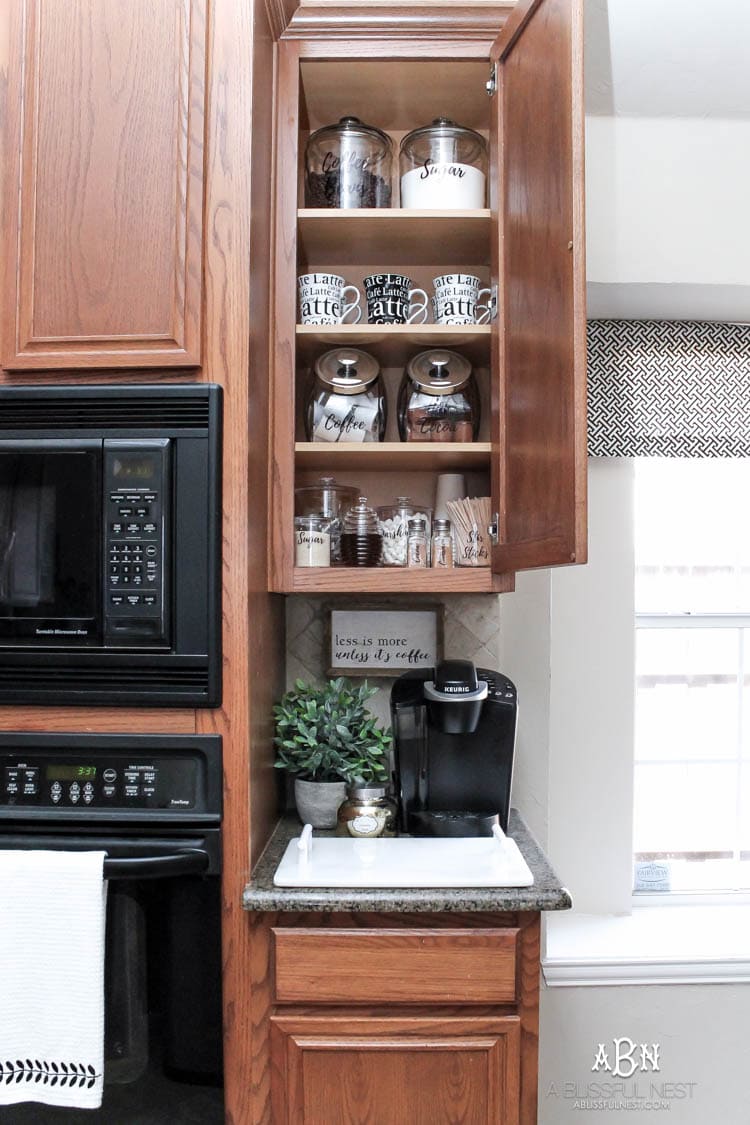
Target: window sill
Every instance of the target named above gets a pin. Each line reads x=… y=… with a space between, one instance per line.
x=653 y=945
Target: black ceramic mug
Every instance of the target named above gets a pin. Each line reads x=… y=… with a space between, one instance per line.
x=391 y=300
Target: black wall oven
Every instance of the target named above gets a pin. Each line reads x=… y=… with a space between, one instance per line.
x=153 y=804
x=110 y=541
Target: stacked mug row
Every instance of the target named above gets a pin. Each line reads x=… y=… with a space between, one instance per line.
x=392 y=298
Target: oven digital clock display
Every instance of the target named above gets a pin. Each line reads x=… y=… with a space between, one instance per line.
x=70 y=773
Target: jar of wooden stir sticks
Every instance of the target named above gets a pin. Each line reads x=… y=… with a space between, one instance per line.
x=471 y=520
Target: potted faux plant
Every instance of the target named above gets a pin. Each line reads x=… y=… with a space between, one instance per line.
x=326 y=738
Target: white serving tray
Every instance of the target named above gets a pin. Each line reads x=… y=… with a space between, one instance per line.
x=487 y=861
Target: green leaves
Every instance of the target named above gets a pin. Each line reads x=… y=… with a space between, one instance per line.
x=327 y=733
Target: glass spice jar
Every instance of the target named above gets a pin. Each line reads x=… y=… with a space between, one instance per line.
x=348 y=165
x=361 y=541
x=312 y=541
x=438 y=399
x=367 y=812
x=443 y=165
x=442 y=544
x=417 y=544
x=330 y=499
x=346 y=401
x=394 y=527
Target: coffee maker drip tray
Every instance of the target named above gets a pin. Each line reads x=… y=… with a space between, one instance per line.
x=486 y=861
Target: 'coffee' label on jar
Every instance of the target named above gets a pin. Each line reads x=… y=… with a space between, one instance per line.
x=339 y=419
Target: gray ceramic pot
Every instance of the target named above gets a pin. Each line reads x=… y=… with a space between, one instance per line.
x=318 y=801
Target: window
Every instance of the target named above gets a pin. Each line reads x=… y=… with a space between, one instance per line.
x=692 y=715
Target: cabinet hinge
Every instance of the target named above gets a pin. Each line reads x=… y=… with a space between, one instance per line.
x=493 y=529
x=491 y=83
x=493 y=303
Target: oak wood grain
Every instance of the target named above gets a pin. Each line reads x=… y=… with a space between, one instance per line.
x=541 y=472
x=394 y=966
x=527 y=987
x=103 y=211
x=283 y=357
x=84 y=720
x=239 y=191
x=382 y=237
x=363 y=21
x=344 y=1070
x=401 y=580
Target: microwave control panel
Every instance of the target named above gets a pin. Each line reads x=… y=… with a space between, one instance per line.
x=137 y=491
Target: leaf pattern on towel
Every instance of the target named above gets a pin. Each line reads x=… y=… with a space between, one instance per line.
x=49 y=1072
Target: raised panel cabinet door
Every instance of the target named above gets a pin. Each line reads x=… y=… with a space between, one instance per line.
x=369 y=1070
x=103 y=194
x=539 y=345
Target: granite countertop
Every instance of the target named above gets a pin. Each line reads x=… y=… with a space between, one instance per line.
x=547 y=893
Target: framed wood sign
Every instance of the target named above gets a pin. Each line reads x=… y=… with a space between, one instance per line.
x=380 y=640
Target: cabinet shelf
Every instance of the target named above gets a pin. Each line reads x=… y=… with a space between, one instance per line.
x=390 y=236
x=395 y=343
x=399 y=580
x=393 y=456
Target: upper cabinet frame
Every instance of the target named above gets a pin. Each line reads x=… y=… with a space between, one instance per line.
x=534 y=363
x=103 y=187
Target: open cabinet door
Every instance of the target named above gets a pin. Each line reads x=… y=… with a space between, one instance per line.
x=539 y=351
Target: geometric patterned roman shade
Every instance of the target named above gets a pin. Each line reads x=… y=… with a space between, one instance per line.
x=668 y=388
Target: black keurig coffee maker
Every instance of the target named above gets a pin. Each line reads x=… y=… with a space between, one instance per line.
x=454 y=732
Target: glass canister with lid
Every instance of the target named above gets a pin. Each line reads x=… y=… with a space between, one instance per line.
x=438 y=399
x=330 y=501
x=361 y=541
x=346 y=400
x=367 y=812
x=443 y=165
x=348 y=165
x=394 y=526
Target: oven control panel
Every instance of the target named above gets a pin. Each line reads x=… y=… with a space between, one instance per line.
x=99 y=782
x=136 y=517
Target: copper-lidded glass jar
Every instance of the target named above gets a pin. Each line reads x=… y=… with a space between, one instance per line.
x=438 y=399
x=348 y=165
x=361 y=541
x=346 y=401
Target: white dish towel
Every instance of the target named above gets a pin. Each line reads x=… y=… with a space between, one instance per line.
x=52 y=917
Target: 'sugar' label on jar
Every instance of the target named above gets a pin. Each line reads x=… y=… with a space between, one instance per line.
x=443 y=185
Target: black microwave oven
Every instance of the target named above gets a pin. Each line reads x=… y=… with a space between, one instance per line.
x=110 y=545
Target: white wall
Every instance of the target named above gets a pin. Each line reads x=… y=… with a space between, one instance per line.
x=666 y=201
x=702 y=1033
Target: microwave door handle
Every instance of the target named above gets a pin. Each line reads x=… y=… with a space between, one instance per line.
x=189 y=861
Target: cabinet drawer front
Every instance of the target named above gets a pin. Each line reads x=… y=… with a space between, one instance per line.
x=395 y=966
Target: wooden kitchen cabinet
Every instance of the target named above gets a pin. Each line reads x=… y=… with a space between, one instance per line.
x=394 y=1019
x=381 y=1070
x=530 y=361
x=103 y=188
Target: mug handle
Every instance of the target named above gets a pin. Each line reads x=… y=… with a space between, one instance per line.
x=420 y=311
x=486 y=310
x=354 y=305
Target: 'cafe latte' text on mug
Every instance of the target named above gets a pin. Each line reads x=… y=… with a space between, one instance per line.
x=323 y=299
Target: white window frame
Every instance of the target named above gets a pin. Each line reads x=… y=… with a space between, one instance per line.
x=609 y=938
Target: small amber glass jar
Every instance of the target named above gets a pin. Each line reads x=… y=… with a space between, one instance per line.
x=367 y=812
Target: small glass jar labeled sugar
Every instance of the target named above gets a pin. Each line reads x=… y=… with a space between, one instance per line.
x=312 y=541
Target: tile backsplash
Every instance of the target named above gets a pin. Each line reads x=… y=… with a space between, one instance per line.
x=472 y=632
